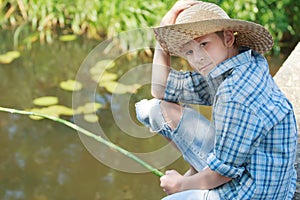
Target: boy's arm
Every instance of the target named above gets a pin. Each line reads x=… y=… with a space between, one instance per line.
x=191 y=171
x=207 y=179
x=160 y=72
x=161 y=59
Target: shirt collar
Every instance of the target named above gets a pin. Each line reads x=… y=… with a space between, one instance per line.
x=221 y=71
x=242 y=58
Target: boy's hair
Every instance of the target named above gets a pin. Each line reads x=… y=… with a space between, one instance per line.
x=221 y=35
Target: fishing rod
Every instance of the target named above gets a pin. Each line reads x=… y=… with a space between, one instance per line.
x=88 y=134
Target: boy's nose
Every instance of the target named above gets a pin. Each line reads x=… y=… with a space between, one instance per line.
x=199 y=57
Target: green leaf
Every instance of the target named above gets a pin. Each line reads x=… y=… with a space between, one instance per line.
x=88 y=108
x=67 y=38
x=107 y=76
x=101 y=66
x=70 y=85
x=61 y=110
x=92 y=118
x=119 y=88
x=111 y=86
x=13 y=54
x=9 y=56
x=45 y=101
x=5 y=59
x=54 y=110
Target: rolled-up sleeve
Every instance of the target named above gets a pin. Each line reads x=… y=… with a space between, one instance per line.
x=238 y=133
x=187 y=87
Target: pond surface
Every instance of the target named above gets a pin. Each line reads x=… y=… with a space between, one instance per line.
x=43 y=160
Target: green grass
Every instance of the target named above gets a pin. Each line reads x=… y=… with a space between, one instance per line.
x=45 y=20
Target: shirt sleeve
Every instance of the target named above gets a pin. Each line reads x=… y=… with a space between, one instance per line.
x=238 y=133
x=187 y=87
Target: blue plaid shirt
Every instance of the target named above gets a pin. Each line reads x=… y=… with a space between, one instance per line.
x=256 y=133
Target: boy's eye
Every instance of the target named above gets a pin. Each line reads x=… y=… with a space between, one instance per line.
x=202 y=44
x=189 y=52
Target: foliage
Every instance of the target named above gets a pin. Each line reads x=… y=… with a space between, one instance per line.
x=43 y=19
x=46 y=19
x=281 y=18
x=9 y=56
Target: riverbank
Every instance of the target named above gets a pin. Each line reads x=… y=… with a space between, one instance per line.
x=288 y=80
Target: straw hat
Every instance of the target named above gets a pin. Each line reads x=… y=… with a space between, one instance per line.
x=205 y=18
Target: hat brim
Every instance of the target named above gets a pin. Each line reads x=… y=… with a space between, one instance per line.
x=249 y=34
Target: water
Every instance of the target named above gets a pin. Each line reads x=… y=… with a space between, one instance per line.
x=43 y=160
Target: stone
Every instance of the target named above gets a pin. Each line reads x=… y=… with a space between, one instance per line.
x=288 y=80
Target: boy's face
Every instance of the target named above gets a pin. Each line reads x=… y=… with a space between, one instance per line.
x=205 y=53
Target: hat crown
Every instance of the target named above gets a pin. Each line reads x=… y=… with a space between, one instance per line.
x=201 y=12
x=205 y=18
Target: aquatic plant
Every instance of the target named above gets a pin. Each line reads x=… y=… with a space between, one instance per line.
x=45 y=20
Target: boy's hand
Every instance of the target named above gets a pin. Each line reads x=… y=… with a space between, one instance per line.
x=172 y=182
x=177 y=8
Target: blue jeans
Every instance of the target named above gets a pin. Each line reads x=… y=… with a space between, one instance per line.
x=194 y=135
x=194 y=195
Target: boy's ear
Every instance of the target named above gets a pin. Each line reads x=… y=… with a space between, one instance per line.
x=229 y=38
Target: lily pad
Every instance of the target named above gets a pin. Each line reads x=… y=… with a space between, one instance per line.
x=119 y=88
x=96 y=78
x=13 y=54
x=67 y=38
x=9 y=56
x=36 y=110
x=61 y=110
x=44 y=111
x=88 y=108
x=55 y=111
x=110 y=86
x=102 y=65
x=71 y=85
x=45 y=101
x=107 y=76
x=92 y=118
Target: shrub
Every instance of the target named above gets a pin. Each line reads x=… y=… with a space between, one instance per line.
x=98 y=19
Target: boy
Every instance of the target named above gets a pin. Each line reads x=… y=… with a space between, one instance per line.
x=248 y=150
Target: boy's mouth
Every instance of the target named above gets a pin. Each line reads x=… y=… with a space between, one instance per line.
x=205 y=67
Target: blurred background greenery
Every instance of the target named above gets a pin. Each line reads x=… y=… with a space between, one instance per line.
x=45 y=20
